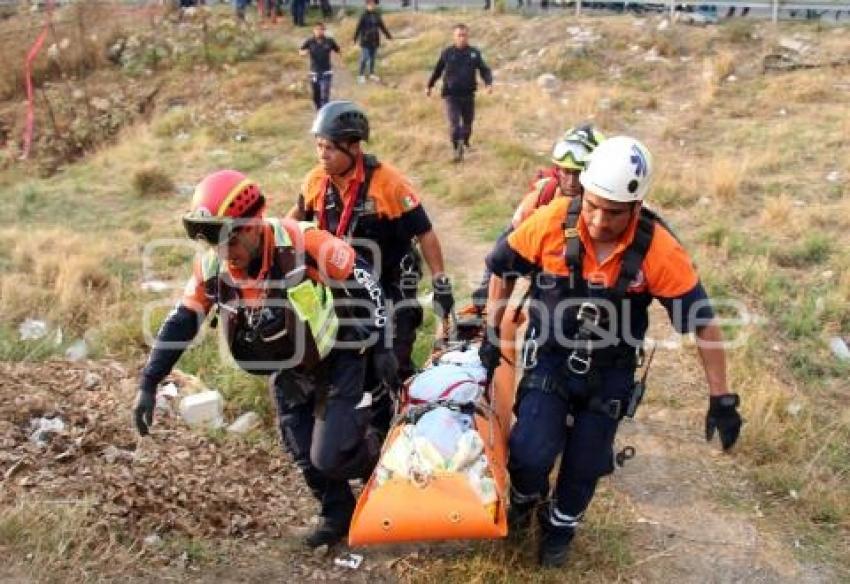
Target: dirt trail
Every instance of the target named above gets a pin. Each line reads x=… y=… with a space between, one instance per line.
x=697 y=518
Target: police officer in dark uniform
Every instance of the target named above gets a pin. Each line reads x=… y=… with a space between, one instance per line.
x=458 y=65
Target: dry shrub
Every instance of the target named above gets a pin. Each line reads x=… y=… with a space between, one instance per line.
x=777 y=211
x=152 y=181
x=724 y=65
x=726 y=174
x=70 y=284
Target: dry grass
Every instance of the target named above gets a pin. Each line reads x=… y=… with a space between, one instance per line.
x=59 y=276
x=57 y=541
x=726 y=176
x=152 y=181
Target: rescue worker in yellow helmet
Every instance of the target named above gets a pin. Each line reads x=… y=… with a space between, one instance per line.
x=569 y=157
x=297 y=304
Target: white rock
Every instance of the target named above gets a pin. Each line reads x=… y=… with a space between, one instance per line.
x=244 y=423
x=548 y=82
x=794 y=409
x=206 y=408
x=32 y=329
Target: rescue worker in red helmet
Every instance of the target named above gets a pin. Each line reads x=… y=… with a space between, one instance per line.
x=598 y=261
x=370 y=203
x=294 y=303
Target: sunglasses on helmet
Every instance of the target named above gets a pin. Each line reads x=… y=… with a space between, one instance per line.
x=212 y=230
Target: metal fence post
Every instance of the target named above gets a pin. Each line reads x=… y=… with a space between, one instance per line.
x=672 y=10
x=775 y=17
x=578 y=8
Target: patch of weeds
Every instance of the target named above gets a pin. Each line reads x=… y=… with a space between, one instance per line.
x=152 y=181
x=815 y=249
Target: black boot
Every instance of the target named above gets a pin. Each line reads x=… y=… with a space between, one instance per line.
x=458 y=149
x=328 y=532
x=520 y=516
x=554 y=541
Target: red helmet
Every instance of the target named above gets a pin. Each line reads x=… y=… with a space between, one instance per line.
x=220 y=198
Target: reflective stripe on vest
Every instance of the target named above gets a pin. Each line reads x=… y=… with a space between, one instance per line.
x=312 y=302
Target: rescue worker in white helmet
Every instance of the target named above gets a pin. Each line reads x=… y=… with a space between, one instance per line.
x=599 y=260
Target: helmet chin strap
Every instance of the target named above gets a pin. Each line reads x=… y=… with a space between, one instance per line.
x=352 y=159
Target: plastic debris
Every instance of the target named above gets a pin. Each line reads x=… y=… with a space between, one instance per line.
x=203 y=408
x=154 y=286
x=42 y=429
x=78 y=351
x=349 y=560
x=839 y=348
x=244 y=423
x=32 y=329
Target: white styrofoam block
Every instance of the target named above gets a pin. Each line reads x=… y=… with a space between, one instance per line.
x=206 y=407
x=244 y=423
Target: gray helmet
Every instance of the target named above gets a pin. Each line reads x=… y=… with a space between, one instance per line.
x=341 y=121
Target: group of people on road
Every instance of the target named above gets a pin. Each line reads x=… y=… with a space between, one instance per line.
x=324 y=303
x=321 y=47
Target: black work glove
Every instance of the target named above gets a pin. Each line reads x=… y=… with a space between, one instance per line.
x=723 y=416
x=490 y=354
x=143 y=412
x=444 y=301
x=385 y=364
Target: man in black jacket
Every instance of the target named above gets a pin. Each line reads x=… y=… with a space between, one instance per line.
x=457 y=65
x=320 y=47
x=368 y=31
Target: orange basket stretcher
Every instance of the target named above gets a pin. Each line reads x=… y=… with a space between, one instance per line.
x=444 y=505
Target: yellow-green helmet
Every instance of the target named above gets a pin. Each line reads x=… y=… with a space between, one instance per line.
x=573 y=150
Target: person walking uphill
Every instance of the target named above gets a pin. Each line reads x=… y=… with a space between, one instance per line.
x=371 y=204
x=295 y=303
x=320 y=47
x=368 y=31
x=599 y=259
x=458 y=65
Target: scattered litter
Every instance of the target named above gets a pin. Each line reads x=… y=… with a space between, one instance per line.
x=827 y=274
x=839 y=348
x=42 y=429
x=78 y=351
x=663 y=25
x=170 y=389
x=154 y=286
x=782 y=112
x=833 y=176
x=32 y=329
x=244 y=423
x=349 y=560
x=240 y=137
x=776 y=349
x=112 y=454
x=91 y=380
x=794 y=494
x=731 y=79
x=153 y=540
x=203 y=408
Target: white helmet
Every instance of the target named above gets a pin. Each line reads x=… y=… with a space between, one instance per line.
x=620 y=169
